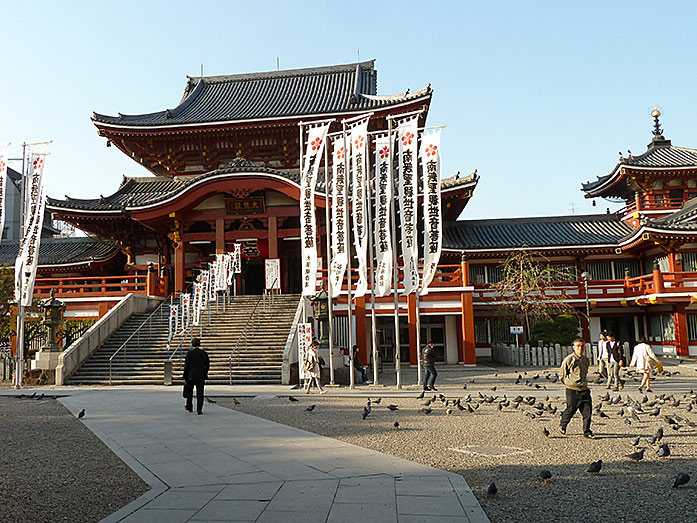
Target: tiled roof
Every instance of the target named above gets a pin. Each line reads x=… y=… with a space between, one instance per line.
x=660 y=153
x=149 y=190
x=293 y=92
x=63 y=251
x=548 y=231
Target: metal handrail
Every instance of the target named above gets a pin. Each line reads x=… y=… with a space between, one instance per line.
x=244 y=330
x=137 y=331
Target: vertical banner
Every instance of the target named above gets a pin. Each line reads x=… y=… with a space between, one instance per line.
x=383 y=203
x=408 y=197
x=28 y=256
x=212 y=278
x=196 y=304
x=272 y=274
x=314 y=151
x=340 y=243
x=433 y=223
x=304 y=341
x=3 y=183
x=359 y=142
x=185 y=307
x=173 y=322
x=221 y=272
x=205 y=289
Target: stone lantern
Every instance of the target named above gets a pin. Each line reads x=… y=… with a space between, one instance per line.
x=320 y=311
x=52 y=317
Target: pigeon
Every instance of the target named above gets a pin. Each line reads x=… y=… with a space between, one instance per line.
x=368 y=403
x=396 y=424
x=449 y=411
x=377 y=401
x=426 y=411
x=546 y=475
x=663 y=451
x=460 y=407
x=491 y=490
x=658 y=436
x=655 y=412
x=464 y=387
x=421 y=396
x=234 y=400
x=628 y=422
x=636 y=456
x=602 y=414
x=81 y=414
x=545 y=432
x=291 y=399
x=310 y=408
x=366 y=411
x=32 y=396
x=210 y=400
x=493 y=388
x=392 y=407
x=470 y=409
x=635 y=441
x=681 y=479
x=595 y=466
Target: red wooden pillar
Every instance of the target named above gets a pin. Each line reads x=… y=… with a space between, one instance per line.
x=411 y=319
x=467 y=320
x=360 y=329
x=682 y=341
x=657 y=279
x=273 y=236
x=179 y=267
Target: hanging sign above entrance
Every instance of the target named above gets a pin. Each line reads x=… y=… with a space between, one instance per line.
x=245 y=206
x=272 y=274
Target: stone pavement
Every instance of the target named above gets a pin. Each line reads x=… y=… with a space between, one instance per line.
x=229 y=466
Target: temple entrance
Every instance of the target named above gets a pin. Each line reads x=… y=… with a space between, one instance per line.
x=622 y=327
x=433 y=329
x=252 y=276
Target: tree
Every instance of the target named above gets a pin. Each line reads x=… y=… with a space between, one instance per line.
x=522 y=290
x=563 y=330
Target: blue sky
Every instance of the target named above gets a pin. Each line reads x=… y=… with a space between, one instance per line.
x=538 y=97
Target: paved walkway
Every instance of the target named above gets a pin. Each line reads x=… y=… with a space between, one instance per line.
x=229 y=466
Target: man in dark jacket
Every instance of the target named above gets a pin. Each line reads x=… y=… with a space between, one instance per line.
x=574 y=376
x=195 y=373
x=616 y=360
x=428 y=356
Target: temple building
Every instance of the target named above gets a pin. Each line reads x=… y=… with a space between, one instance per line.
x=222 y=167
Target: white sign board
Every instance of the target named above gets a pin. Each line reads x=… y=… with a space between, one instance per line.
x=304 y=341
x=273 y=273
x=516 y=329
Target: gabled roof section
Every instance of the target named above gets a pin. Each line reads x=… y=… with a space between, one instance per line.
x=271 y=95
x=660 y=154
x=597 y=230
x=63 y=251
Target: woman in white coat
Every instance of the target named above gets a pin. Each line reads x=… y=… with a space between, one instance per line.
x=313 y=367
x=644 y=359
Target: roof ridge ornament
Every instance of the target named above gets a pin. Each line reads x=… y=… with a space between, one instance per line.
x=657 y=131
x=238 y=162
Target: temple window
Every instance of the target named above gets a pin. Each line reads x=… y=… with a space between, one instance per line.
x=689 y=261
x=600 y=270
x=692 y=327
x=481 y=331
x=622 y=266
x=662 y=327
x=477 y=274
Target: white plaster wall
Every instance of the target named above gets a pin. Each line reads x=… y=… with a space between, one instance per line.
x=451 y=339
x=595 y=330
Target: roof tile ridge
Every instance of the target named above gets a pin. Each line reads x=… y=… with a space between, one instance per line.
x=285 y=73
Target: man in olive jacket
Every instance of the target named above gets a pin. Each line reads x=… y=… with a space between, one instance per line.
x=196 y=368
x=574 y=374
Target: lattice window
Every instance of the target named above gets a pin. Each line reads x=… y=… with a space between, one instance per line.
x=692 y=327
x=662 y=327
x=477 y=274
x=501 y=332
x=562 y=272
x=600 y=270
x=481 y=331
x=621 y=266
x=495 y=273
x=689 y=261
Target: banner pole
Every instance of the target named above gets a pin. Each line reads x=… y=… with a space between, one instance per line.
x=330 y=301
x=395 y=270
x=300 y=171
x=352 y=378
x=418 y=339
x=371 y=244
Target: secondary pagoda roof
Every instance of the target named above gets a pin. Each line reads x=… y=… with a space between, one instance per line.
x=660 y=155
x=548 y=232
x=316 y=91
x=63 y=251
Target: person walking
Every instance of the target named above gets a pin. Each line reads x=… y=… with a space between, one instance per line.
x=644 y=359
x=313 y=367
x=428 y=355
x=603 y=355
x=616 y=360
x=574 y=375
x=196 y=368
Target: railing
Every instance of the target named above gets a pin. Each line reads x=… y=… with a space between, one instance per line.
x=137 y=332
x=99 y=286
x=651 y=203
x=251 y=321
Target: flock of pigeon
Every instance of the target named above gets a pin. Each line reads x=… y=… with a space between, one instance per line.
x=534 y=408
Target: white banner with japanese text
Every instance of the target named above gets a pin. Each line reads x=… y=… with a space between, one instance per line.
x=196 y=304
x=339 y=223
x=359 y=201
x=173 y=322
x=3 y=182
x=272 y=274
x=316 y=137
x=28 y=255
x=408 y=197
x=185 y=307
x=384 y=190
x=433 y=221
x=304 y=341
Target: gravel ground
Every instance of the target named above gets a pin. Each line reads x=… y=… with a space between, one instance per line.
x=55 y=469
x=623 y=491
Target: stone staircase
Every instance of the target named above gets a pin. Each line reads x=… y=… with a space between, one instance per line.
x=258 y=359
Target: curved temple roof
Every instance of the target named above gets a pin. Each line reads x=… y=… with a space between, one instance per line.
x=270 y=95
x=63 y=251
